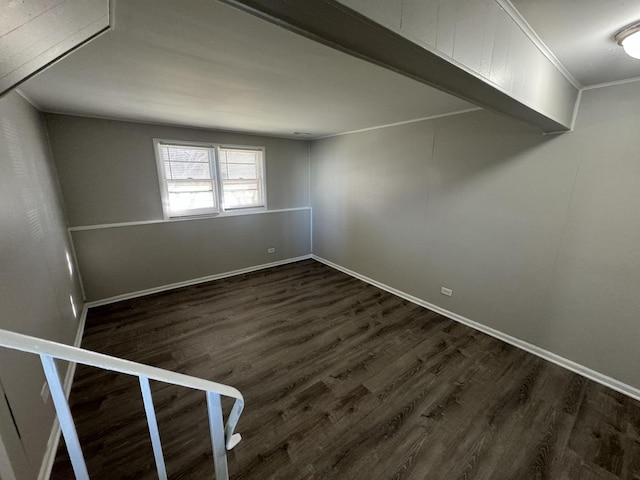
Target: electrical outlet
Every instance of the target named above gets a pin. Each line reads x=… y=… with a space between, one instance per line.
x=446 y=291
x=271 y=250
x=44 y=392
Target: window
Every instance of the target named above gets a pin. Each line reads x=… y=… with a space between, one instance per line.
x=204 y=179
x=241 y=176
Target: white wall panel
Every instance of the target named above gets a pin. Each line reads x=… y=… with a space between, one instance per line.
x=385 y=12
x=481 y=36
x=420 y=21
x=36 y=284
x=33 y=34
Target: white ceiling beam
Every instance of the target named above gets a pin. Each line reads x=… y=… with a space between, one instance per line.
x=35 y=34
x=471 y=49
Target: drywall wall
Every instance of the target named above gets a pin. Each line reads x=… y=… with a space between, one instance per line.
x=108 y=175
x=37 y=284
x=537 y=235
x=129 y=259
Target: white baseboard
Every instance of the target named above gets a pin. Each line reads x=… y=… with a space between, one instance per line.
x=194 y=281
x=612 y=383
x=54 y=437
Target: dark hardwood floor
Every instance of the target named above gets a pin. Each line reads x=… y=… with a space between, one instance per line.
x=342 y=381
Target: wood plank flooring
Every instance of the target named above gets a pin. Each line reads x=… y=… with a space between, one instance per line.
x=342 y=381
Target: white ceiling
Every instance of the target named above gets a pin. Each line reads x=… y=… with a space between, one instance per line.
x=203 y=64
x=580 y=34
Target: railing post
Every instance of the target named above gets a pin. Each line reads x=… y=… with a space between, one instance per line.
x=154 y=433
x=64 y=417
x=216 y=426
x=222 y=438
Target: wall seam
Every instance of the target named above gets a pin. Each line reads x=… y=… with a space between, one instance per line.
x=428 y=177
x=576 y=109
x=615 y=83
x=310 y=200
x=404 y=122
x=63 y=203
x=566 y=214
x=212 y=129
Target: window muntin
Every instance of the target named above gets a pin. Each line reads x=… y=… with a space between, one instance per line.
x=190 y=183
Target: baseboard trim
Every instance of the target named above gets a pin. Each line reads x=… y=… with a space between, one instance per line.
x=54 y=437
x=586 y=372
x=194 y=281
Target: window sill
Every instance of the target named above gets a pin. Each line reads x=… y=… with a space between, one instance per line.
x=229 y=213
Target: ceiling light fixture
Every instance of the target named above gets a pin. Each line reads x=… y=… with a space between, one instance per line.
x=629 y=39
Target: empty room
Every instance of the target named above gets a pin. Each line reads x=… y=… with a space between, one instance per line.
x=324 y=239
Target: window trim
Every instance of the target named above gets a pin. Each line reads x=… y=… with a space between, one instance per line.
x=219 y=209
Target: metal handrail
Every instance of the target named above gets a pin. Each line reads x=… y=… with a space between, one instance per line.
x=48 y=350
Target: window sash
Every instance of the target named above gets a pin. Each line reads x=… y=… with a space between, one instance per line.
x=189 y=196
x=229 y=200
x=194 y=201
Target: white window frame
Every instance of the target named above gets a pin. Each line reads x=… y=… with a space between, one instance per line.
x=214 y=151
x=262 y=181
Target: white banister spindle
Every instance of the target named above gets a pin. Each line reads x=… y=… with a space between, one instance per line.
x=64 y=416
x=218 y=443
x=222 y=438
x=154 y=433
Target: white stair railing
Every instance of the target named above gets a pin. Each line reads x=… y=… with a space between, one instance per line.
x=222 y=437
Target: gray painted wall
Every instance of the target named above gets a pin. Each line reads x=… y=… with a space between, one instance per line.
x=107 y=171
x=537 y=235
x=36 y=284
x=129 y=259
